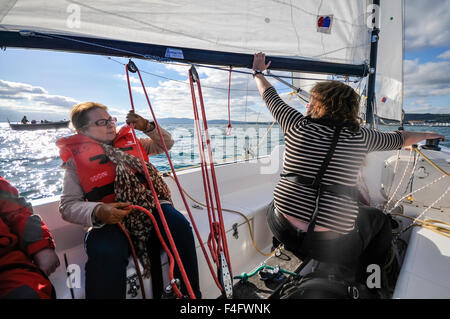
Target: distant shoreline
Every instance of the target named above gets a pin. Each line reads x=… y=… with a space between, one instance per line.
x=165 y=121
x=422 y=119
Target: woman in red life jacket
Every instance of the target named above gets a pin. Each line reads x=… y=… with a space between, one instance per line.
x=27 y=249
x=103 y=176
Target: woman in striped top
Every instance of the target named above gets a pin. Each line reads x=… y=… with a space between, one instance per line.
x=344 y=230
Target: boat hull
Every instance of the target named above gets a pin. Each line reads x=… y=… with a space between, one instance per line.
x=39 y=126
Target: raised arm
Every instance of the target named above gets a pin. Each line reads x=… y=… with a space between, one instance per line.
x=152 y=145
x=259 y=65
x=285 y=115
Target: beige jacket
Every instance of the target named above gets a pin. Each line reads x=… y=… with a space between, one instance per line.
x=73 y=207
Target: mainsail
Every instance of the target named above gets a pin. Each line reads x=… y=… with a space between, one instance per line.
x=308 y=36
x=327 y=30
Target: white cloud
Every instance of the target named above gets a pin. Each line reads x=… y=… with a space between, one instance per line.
x=426 y=79
x=173 y=98
x=133 y=79
x=444 y=55
x=23 y=96
x=426 y=23
x=421 y=105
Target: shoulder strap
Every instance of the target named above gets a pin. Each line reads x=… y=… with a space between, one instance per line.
x=327 y=159
x=317 y=181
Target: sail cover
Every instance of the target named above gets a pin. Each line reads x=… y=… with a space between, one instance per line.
x=389 y=84
x=326 y=30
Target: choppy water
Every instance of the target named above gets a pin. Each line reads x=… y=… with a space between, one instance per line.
x=30 y=159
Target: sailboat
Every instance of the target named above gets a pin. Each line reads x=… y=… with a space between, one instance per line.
x=360 y=42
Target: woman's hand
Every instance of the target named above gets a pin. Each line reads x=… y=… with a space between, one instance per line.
x=432 y=135
x=46 y=260
x=259 y=62
x=112 y=213
x=411 y=138
x=138 y=121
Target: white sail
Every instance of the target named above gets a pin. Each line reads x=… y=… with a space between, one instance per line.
x=389 y=92
x=326 y=30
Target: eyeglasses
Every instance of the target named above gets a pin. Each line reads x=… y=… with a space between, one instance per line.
x=105 y=122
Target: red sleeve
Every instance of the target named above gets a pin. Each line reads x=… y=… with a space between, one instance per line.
x=18 y=215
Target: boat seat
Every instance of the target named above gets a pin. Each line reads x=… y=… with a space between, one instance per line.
x=424 y=273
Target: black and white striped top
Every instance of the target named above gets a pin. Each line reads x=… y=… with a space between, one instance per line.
x=307 y=142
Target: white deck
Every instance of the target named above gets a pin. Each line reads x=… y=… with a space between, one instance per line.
x=425 y=271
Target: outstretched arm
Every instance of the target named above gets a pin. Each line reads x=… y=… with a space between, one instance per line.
x=411 y=138
x=285 y=115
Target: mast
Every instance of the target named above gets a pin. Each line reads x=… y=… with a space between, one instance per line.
x=372 y=68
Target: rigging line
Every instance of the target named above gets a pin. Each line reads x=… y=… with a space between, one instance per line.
x=187 y=83
x=179 y=81
x=147 y=56
x=430 y=161
x=218 y=232
x=413 y=192
x=133 y=68
x=193 y=75
x=297 y=90
x=419 y=222
x=400 y=182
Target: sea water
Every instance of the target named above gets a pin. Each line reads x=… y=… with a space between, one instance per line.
x=30 y=159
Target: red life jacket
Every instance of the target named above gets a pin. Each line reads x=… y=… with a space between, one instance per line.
x=95 y=171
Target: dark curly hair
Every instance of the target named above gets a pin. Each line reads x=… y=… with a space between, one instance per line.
x=336 y=102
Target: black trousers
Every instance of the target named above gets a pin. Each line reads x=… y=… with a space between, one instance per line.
x=368 y=243
x=108 y=252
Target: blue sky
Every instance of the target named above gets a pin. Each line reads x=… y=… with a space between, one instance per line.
x=45 y=84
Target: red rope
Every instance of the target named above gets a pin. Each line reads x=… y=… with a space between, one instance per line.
x=217 y=228
x=166 y=248
x=155 y=196
x=166 y=228
x=136 y=263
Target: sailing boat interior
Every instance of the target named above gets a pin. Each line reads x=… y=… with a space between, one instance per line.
x=352 y=40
